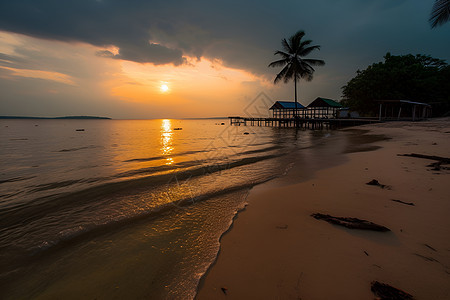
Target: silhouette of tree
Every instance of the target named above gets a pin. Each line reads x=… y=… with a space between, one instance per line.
x=294 y=65
x=420 y=78
x=440 y=13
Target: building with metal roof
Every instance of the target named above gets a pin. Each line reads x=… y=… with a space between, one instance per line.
x=324 y=102
x=285 y=109
x=322 y=108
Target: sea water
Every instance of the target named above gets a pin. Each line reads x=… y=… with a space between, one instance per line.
x=130 y=209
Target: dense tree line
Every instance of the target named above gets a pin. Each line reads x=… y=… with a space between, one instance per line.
x=405 y=77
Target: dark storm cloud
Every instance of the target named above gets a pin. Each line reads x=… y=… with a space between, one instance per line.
x=158 y=32
x=244 y=34
x=127 y=25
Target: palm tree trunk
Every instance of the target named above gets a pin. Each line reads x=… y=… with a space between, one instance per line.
x=295 y=96
x=296 y=103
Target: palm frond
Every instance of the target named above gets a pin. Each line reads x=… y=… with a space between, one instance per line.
x=286 y=46
x=281 y=75
x=307 y=71
x=278 y=63
x=440 y=13
x=282 y=54
x=308 y=50
x=303 y=44
x=314 y=62
x=295 y=40
x=290 y=73
x=307 y=76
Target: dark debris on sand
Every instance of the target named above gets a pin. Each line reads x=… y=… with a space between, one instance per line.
x=282 y=227
x=352 y=223
x=403 y=202
x=224 y=290
x=376 y=183
x=386 y=292
x=436 y=166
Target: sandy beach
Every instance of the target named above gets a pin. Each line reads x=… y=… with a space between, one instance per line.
x=277 y=250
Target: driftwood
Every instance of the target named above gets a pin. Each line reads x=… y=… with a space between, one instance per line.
x=402 y=202
x=436 y=165
x=352 y=223
x=444 y=160
x=427 y=258
x=386 y=292
x=428 y=246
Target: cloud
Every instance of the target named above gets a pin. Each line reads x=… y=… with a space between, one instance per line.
x=241 y=34
x=7 y=60
x=158 y=32
x=14 y=65
x=125 y=25
x=53 y=76
x=150 y=52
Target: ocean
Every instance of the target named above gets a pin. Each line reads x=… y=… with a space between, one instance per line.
x=134 y=209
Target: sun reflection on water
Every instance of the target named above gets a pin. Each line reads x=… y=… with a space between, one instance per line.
x=167 y=140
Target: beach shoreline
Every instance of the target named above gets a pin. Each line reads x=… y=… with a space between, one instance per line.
x=277 y=250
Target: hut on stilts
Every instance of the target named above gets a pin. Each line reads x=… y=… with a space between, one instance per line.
x=322 y=108
x=286 y=110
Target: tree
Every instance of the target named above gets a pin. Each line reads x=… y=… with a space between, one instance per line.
x=405 y=77
x=294 y=65
x=440 y=13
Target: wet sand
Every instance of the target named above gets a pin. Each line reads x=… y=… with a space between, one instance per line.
x=277 y=250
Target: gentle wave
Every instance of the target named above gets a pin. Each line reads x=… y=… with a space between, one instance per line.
x=25 y=213
x=54 y=185
x=23 y=257
x=99 y=229
x=77 y=149
x=139 y=172
x=157 y=169
x=262 y=150
x=145 y=159
x=127 y=184
x=15 y=179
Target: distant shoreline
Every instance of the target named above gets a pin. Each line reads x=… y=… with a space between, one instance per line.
x=100 y=118
x=57 y=118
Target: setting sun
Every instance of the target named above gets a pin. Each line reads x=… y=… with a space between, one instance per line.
x=164 y=88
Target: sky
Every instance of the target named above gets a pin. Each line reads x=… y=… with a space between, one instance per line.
x=142 y=59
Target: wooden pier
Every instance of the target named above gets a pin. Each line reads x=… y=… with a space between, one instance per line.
x=309 y=123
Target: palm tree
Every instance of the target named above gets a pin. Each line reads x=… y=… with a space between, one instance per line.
x=440 y=13
x=294 y=65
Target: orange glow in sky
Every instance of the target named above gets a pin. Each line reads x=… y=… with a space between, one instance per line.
x=38 y=74
x=150 y=82
x=76 y=72
x=195 y=87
